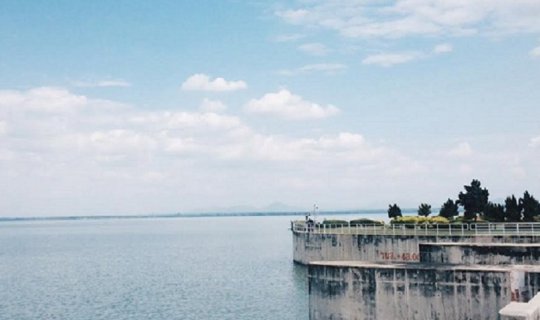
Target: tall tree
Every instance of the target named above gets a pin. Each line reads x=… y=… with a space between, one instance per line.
x=474 y=200
x=449 y=209
x=530 y=207
x=394 y=211
x=424 y=210
x=513 y=209
x=494 y=212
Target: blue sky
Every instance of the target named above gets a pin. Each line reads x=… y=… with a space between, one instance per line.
x=166 y=106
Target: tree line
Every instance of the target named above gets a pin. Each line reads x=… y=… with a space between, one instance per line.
x=476 y=205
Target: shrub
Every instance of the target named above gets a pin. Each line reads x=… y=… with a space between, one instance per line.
x=459 y=220
x=332 y=223
x=364 y=221
x=439 y=220
x=420 y=220
x=405 y=220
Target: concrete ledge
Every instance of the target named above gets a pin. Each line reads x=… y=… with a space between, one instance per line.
x=522 y=311
x=369 y=290
x=427 y=266
x=480 y=253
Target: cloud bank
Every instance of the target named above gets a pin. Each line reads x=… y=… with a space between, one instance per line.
x=64 y=153
x=396 y=19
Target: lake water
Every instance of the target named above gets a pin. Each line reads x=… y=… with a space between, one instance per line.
x=185 y=268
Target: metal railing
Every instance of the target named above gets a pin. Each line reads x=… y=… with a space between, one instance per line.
x=464 y=229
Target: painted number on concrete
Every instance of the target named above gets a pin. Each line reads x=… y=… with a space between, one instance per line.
x=406 y=256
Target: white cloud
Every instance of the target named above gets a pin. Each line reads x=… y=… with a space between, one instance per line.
x=119 y=141
x=294 y=16
x=535 y=142
x=393 y=19
x=326 y=68
x=344 y=146
x=185 y=121
x=202 y=82
x=443 y=48
x=535 y=52
x=209 y=105
x=289 y=106
x=289 y=37
x=390 y=59
x=314 y=49
x=3 y=128
x=44 y=99
x=103 y=83
x=462 y=150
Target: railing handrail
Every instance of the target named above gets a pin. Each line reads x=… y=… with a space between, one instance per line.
x=462 y=229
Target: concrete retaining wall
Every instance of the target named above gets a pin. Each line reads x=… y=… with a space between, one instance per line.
x=486 y=253
x=358 y=291
x=309 y=247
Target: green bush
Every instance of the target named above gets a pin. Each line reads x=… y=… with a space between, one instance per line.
x=419 y=220
x=364 y=221
x=459 y=220
x=405 y=220
x=332 y=223
x=439 y=220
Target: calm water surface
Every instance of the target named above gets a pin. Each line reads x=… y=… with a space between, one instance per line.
x=191 y=268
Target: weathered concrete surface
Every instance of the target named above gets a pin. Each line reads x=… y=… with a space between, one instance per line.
x=521 y=310
x=309 y=247
x=351 y=290
x=480 y=253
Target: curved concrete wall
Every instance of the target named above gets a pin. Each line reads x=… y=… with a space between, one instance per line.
x=309 y=247
x=357 y=291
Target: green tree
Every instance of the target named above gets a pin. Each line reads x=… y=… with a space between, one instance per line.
x=530 y=207
x=494 y=212
x=394 y=211
x=474 y=200
x=449 y=209
x=513 y=209
x=424 y=210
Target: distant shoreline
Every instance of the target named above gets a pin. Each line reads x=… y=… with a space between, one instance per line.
x=199 y=215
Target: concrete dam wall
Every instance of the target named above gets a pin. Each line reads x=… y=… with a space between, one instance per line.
x=309 y=247
x=420 y=272
x=359 y=290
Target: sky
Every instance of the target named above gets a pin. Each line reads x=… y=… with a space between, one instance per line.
x=144 y=107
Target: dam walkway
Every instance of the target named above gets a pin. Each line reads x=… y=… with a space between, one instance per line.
x=461 y=229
